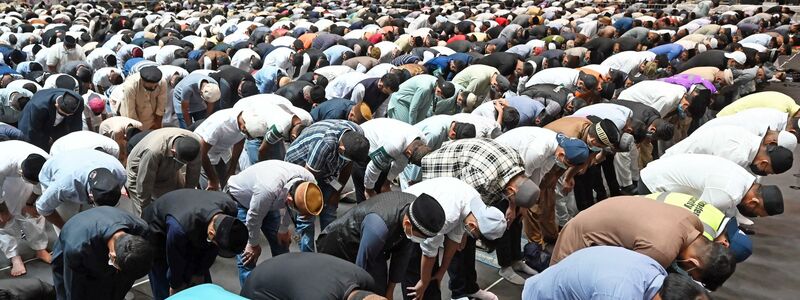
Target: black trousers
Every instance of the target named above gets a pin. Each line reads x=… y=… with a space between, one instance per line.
x=413 y=274
x=508 y=247
x=358 y=181
x=584 y=187
x=610 y=173
x=463 y=277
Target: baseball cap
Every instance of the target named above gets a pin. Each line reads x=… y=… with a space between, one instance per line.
x=96 y=104
x=210 y=92
x=787 y=140
x=230 y=235
x=738 y=242
x=773 y=199
x=575 y=150
x=527 y=193
x=780 y=158
x=308 y=198
x=104 y=186
x=492 y=221
x=738 y=56
x=426 y=215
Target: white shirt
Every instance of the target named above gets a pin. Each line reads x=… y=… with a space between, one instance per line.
x=85 y=140
x=14 y=152
x=332 y=72
x=536 y=145
x=486 y=110
x=628 y=61
x=616 y=113
x=388 y=139
x=264 y=187
x=752 y=120
x=241 y=59
x=221 y=130
x=269 y=100
x=558 y=76
x=455 y=196
x=662 y=96
x=726 y=141
x=484 y=128
x=166 y=54
x=342 y=85
x=713 y=179
x=280 y=58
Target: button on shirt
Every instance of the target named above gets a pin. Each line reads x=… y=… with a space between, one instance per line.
x=484 y=164
x=729 y=142
x=753 y=120
x=388 y=139
x=262 y=188
x=618 y=114
x=221 y=131
x=713 y=179
x=601 y=272
x=65 y=178
x=317 y=148
x=455 y=197
x=536 y=146
x=85 y=140
x=662 y=96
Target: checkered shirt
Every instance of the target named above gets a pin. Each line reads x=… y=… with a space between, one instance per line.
x=317 y=147
x=482 y=163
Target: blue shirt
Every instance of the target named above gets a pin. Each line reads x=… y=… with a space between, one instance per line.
x=188 y=89
x=672 y=51
x=205 y=291
x=623 y=24
x=599 y=272
x=65 y=177
x=334 y=53
x=267 y=79
x=528 y=109
x=336 y=109
x=12 y=133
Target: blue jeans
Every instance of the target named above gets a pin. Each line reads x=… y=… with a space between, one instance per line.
x=196 y=116
x=276 y=151
x=304 y=226
x=270 y=226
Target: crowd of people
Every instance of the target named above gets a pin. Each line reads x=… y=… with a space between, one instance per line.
x=626 y=144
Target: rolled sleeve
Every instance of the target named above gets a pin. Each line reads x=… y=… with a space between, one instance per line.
x=430 y=247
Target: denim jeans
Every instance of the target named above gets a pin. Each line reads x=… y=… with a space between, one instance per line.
x=270 y=226
x=276 y=151
x=304 y=226
x=196 y=116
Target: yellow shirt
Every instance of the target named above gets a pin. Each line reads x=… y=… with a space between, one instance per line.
x=774 y=100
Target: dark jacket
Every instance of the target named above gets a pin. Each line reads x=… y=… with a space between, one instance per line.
x=294 y=92
x=710 y=58
x=505 y=62
x=229 y=79
x=643 y=116
x=39 y=115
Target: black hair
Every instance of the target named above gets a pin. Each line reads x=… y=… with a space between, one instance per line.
x=249 y=88
x=589 y=81
x=317 y=94
x=356 y=146
x=420 y=150
x=321 y=81
x=719 y=264
x=131 y=131
x=391 y=81
x=510 y=118
x=134 y=255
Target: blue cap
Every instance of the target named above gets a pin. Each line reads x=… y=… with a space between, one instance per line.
x=575 y=150
x=738 y=242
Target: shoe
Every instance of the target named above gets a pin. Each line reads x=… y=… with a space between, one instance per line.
x=483 y=295
x=520 y=266
x=508 y=274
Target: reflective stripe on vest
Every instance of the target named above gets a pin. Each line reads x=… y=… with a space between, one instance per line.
x=711 y=217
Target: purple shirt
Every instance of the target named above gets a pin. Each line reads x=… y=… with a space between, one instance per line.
x=688 y=80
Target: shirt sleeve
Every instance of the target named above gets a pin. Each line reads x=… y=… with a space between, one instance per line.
x=255 y=216
x=146 y=177
x=50 y=199
x=430 y=246
x=371 y=175
x=358 y=93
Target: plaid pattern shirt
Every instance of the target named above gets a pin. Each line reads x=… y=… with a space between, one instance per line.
x=317 y=148
x=482 y=163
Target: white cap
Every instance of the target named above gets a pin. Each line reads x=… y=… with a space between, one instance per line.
x=492 y=221
x=738 y=56
x=255 y=123
x=210 y=92
x=713 y=42
x=787 y=140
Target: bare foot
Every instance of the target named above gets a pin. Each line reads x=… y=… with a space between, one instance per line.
x=44 y=255
x=17 y=266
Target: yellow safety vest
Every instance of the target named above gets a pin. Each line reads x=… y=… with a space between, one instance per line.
x=713 y=219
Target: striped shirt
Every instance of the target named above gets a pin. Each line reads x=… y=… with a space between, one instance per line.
x=482 y=163
x=317 y=148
